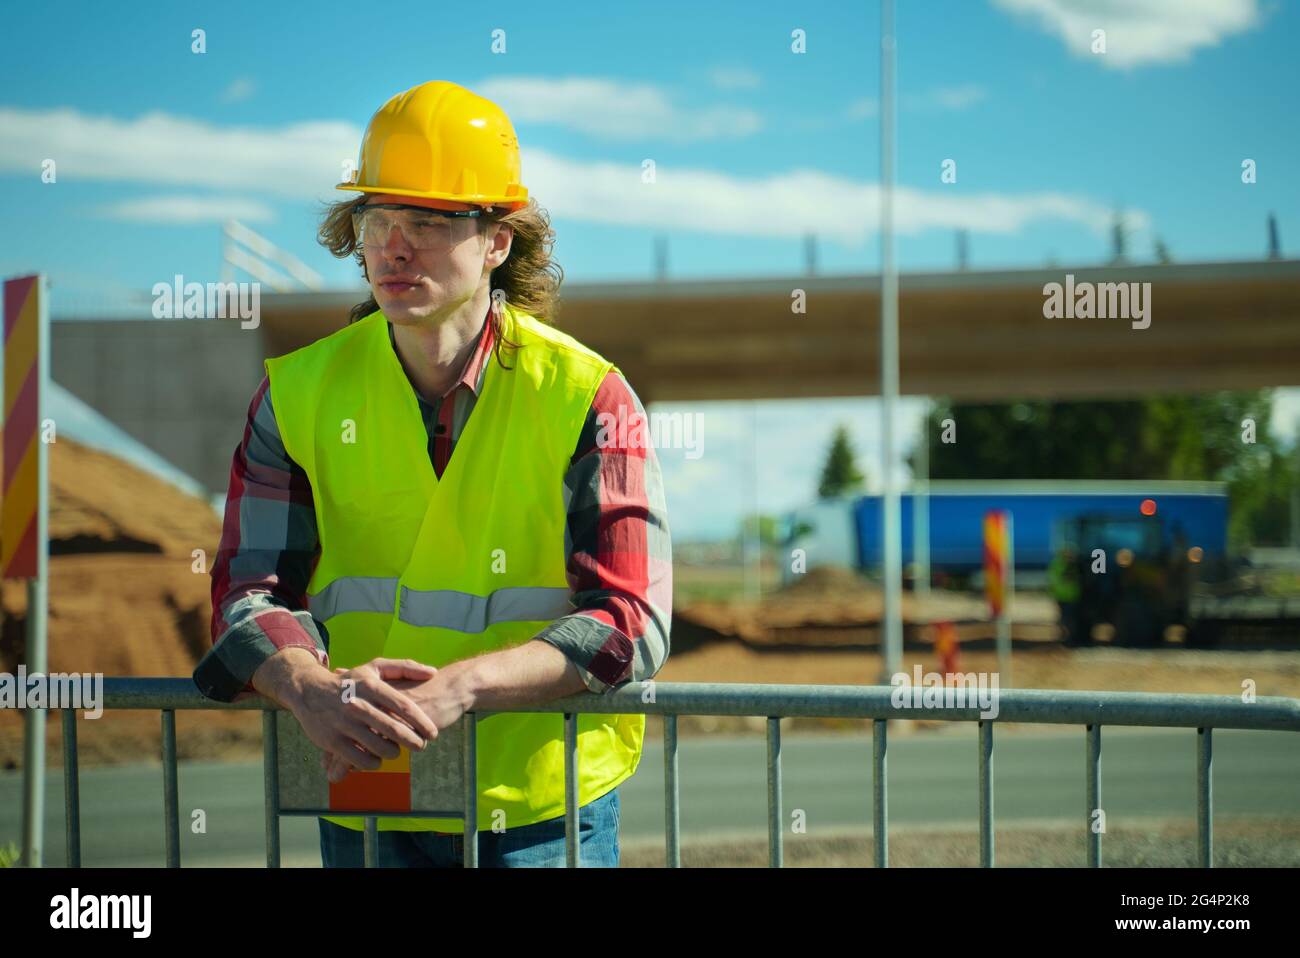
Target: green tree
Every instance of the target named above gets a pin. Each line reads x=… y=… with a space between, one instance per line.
x=840 y=474
x=1164 y=437
x=769 y=529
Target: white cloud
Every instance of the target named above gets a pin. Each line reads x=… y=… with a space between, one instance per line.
x=303 y=161
x=862 y=108
x=615 y=110
x=787 y=204
x=240 y=89
x=949 y=98
x=189 y=209
x=940 y=98
x=1139 y=32
x=734 y=78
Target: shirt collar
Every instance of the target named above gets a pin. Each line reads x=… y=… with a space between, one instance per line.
x=476 y=365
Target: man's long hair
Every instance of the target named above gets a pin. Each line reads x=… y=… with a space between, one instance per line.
x=529 y=279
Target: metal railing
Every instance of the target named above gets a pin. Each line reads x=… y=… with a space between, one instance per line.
x=773 y=702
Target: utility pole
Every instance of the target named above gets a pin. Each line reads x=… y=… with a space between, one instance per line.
x=892 y=624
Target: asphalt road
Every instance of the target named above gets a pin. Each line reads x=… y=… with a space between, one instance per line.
x=1038 y=777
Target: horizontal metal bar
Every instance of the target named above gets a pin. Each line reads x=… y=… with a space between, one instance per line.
x=1033 y=706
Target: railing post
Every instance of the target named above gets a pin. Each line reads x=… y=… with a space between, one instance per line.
x=775 y=832
x=370 y=843
x=880 y=791
x=571 y=831
x=986 y=794
x=1205 y=797
x=71 y=788
x=672 y=807
x=171 y=810
x=470 y=836
x=271 y=788
x=1093 y=771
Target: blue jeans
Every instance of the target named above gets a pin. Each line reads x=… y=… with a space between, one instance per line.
x=540 y=845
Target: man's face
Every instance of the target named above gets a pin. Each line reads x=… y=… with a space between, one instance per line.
x=425 y=286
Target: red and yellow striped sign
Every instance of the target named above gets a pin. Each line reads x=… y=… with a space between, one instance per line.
x=19 y=496
x=996 y=549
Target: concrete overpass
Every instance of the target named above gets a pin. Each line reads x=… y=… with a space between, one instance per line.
x=182 y=386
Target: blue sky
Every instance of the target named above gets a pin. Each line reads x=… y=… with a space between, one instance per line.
x=754 y=145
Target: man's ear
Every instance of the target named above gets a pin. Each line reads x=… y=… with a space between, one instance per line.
x=502 y=238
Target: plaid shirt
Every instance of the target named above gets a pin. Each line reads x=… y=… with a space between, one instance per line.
x=618 y=554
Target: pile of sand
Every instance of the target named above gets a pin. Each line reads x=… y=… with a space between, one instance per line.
x=833 y=608
x=128 y=593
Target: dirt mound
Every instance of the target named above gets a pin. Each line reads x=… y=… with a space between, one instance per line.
x=834 y=607
x=128 y=594
x=824 y=580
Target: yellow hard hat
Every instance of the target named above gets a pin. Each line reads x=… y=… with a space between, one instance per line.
x=440 y=141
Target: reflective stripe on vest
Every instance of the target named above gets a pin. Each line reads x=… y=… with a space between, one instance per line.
x=449 y=609
x=440 y=608
x=354 y=593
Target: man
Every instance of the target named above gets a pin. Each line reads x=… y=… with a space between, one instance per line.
x=427 y=515
x=1063 y=580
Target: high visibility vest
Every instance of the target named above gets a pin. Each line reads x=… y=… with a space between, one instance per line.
x=1063 y=580
x=441 y=569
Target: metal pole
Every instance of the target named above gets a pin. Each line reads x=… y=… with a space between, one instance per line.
x=921 y=511
x=470 y=837
x=1205 y=797
x=34 y=719
x=370 y=843
x=892 y=626
x=1093 y=748
x=880 y=790
x=775 y=851
x=171 y=794
x=986 y=794
x=271 y=787
x=71 y=788
x=672 y=805
x=572 y=851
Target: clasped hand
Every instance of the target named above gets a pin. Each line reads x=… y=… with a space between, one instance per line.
x=360 y=716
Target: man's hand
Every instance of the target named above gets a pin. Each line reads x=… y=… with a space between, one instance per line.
x=442 y=698
x=365 y=721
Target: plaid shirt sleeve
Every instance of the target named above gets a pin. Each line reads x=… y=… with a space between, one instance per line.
x=268 y=551
x=618 y=550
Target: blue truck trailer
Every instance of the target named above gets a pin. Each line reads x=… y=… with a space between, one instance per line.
x=1042 y=512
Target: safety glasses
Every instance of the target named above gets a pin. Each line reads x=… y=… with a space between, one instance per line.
x=423 y=228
